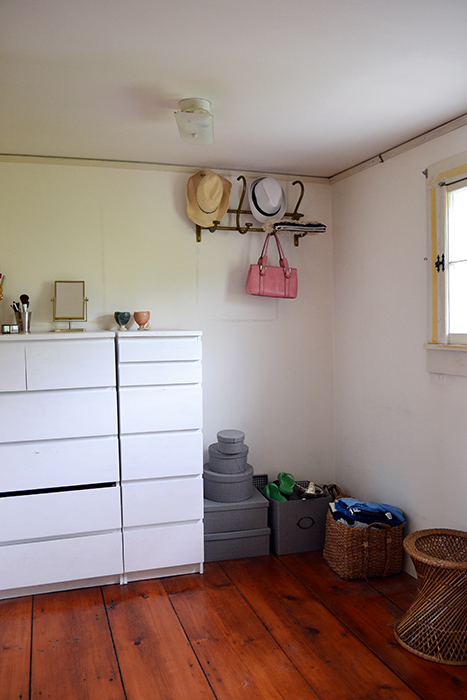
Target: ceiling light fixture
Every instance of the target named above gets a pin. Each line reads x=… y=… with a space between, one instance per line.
x=195 y=121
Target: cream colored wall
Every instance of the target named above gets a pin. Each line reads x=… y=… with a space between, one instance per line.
x=267 y=362
x=400 y=432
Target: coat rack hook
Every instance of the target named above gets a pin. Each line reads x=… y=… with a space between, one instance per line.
x=295 y=214
x=247 y=225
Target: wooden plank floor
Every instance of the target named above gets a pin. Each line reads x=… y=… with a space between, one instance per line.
x=264 y=628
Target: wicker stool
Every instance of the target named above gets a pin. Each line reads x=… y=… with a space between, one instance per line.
x=435 y=625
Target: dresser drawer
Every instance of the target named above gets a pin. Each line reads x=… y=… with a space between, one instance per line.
x=12 y=367
x=147 y=348
x=162 y=501
x=57 y=514
x=161 y=454
x=157 y=409
x=70 y=364
x=162 y=547
x=56 y=561
x=44 y=415
x=50 y=463
x=147 y=373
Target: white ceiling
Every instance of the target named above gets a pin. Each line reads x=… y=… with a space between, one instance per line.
x=305 y=87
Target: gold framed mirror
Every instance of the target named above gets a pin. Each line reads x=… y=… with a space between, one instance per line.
x=69 y=301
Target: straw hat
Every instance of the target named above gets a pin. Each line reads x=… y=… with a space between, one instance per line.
x=207 y=197
x=267 y=199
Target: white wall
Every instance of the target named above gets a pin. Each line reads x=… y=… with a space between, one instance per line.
x=400 y=432
x=267 y=363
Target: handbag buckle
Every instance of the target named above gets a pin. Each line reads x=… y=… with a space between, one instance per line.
x=261 y=268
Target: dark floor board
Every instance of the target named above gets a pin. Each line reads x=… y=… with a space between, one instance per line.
x=371 y=618
x=156 y=659
x=400 y=589
x=72 y=651
x=15 y=645
x=336 y=664
x=239 y=655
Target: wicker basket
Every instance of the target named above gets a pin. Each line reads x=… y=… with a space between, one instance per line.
x=362 y=553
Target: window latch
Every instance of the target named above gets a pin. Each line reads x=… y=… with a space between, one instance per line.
x=439 y=264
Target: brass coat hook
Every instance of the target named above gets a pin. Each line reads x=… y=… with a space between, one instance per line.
x=247 y=226
x=295 y=214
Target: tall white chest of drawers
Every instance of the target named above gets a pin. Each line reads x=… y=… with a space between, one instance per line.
x=161 y=451
x=100 y=461
x=60 y=520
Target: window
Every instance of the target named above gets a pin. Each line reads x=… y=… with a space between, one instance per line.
x=447 y=190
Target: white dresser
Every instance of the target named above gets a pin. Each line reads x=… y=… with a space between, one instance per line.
x=80 y=452
x=161 y=451
x=60 y=519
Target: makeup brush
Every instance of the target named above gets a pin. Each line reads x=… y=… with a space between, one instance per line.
x=24 y=299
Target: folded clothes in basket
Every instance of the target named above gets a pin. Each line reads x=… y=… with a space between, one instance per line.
x=356 y=513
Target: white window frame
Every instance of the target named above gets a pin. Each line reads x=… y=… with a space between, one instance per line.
x=448 y=354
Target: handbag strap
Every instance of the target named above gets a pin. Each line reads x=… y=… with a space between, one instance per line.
x=263 y=259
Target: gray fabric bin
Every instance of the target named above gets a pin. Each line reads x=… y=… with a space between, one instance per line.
x=244 y=515
x=230 y=442
x=298 y=526
x=235 y=545
x=228 y=488
x=225 y=463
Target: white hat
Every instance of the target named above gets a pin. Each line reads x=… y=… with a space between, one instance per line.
x=267 y=199
x=207 y=196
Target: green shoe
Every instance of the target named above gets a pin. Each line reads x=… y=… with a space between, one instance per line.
x=271 y=490
x=286 y=483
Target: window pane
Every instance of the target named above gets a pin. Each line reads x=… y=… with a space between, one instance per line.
x=458 y=297
x=457 y=224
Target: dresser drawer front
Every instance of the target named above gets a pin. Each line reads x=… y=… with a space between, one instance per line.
x=161 y=454
x=147 y=373
x=157 y=409
x=162 y=547
x=146 y=348
x=70 y=364
x=51 y=415
x=56 y=561
x=47 y=464
x=12 y=367
x=59 y=514
x=162 y=501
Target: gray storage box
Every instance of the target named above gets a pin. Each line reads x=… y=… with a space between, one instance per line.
x=225 y=463
x=228 y=517
x=298 y=526
x=236 y=545
x=230 y=442
x=228 y=488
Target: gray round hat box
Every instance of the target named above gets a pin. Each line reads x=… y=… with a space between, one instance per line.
x=227 y=463
x=236 y=487
x=230 y=442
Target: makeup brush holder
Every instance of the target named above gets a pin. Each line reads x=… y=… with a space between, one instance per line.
x=23 y=319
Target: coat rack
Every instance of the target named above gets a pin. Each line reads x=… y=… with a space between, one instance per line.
x=295 y=216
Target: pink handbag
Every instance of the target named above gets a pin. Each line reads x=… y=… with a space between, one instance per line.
x=271 y=281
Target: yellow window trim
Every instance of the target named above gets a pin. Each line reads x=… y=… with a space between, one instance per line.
x=435 y=177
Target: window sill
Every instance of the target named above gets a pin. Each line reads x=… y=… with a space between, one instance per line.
x=447 y=359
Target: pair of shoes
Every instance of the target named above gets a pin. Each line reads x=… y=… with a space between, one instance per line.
x=271 y=490
x=286 y=483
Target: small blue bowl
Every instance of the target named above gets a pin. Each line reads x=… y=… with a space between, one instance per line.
x=122 y=318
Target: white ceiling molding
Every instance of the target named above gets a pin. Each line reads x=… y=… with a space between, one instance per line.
x=402 y=148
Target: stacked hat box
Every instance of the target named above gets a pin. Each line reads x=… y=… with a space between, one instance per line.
x=235 y=513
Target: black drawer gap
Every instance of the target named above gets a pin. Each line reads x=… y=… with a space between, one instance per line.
x=58 y=489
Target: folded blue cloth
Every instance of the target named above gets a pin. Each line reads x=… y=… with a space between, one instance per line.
x=363 y=511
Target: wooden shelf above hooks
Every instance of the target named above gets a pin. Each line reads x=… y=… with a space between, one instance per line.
x=248 y=227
